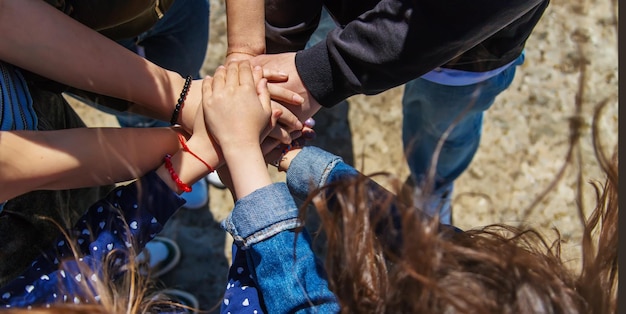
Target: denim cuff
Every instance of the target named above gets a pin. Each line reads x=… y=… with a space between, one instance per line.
x=309 y=170
x=262 y=214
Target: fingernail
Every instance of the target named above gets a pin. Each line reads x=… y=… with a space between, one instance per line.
x=298 y=125
x=298 y=99
x=310 y=122
x=309 y=135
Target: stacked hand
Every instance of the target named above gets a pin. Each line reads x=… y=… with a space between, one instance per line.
x=288 y=126
x=236 y=119
x=285 y=63
x=238 y=114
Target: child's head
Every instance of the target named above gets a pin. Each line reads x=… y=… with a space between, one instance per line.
x=373 y=267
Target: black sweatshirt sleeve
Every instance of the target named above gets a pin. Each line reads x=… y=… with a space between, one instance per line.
x=399 y=40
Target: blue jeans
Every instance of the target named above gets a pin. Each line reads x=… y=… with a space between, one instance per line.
x=430 y=108
x=178 y=42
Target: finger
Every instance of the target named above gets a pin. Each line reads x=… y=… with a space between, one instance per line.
x=264 y=95
x=245 y=74
x=273 y=122
x=219 y=78
x=232 y=74
x=280 y=93
x=276 y=113
x=310 y=122
x=273 y=75
x=207 y=88
x=308 y=134
x=282 y=135
x=288 y=120
x=257 y=73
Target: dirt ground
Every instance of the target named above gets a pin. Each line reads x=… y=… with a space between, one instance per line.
x=524 y=145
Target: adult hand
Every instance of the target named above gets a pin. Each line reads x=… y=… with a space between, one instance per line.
x=289 y=126
x=274 y=151
x=285 y=62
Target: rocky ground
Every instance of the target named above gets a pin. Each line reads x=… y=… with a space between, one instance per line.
x=524 y=146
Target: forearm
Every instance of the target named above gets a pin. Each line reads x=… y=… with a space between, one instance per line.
x=289 y=275
x=245 y=26
x=190 y=168
x=396 y=42
x=38 y=38
x=264 y=223
x=73 y=158
x=247 y=168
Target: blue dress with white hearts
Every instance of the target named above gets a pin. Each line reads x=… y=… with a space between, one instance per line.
x=129 y=216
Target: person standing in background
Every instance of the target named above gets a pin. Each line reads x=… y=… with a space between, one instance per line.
x=455 y=59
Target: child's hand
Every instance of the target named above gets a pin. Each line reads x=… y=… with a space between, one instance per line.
x=236 y=110
x=238 y=113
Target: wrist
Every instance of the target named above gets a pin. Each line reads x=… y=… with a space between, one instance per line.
x=204 y=151
x=229 y=147
x=248 y=170
x=180 y=102
x=187 y=113
x=285 y=161
x=250 y=49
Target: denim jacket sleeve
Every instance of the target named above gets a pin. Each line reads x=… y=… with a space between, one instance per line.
x=313 y=168
x=281 y=260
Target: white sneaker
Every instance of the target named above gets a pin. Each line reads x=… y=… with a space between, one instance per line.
x=214 y=180
x=439 y=203
x=161 y=255
x=198 y=197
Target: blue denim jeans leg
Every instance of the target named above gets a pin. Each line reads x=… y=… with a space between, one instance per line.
x=177 y=42
x=428 y=110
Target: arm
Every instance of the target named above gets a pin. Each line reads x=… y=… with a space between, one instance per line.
x=390 y=44
x=281 y=260
x=264 y=213
x=378 y=50
x=245 y=20
x=41 y=39
x=145 y=206
x=73 y=158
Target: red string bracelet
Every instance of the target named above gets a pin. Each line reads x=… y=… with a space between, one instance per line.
x=180 y=184
x=181 y=138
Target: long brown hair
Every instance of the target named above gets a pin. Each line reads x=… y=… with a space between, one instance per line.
x=383 y=256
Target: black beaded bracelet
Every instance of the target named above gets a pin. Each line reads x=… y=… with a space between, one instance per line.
x=181 y=101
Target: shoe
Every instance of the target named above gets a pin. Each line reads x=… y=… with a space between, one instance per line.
x=180 y=297
x=214 y=180
x=159 y=256
x=198 y=197
x=438 y=203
